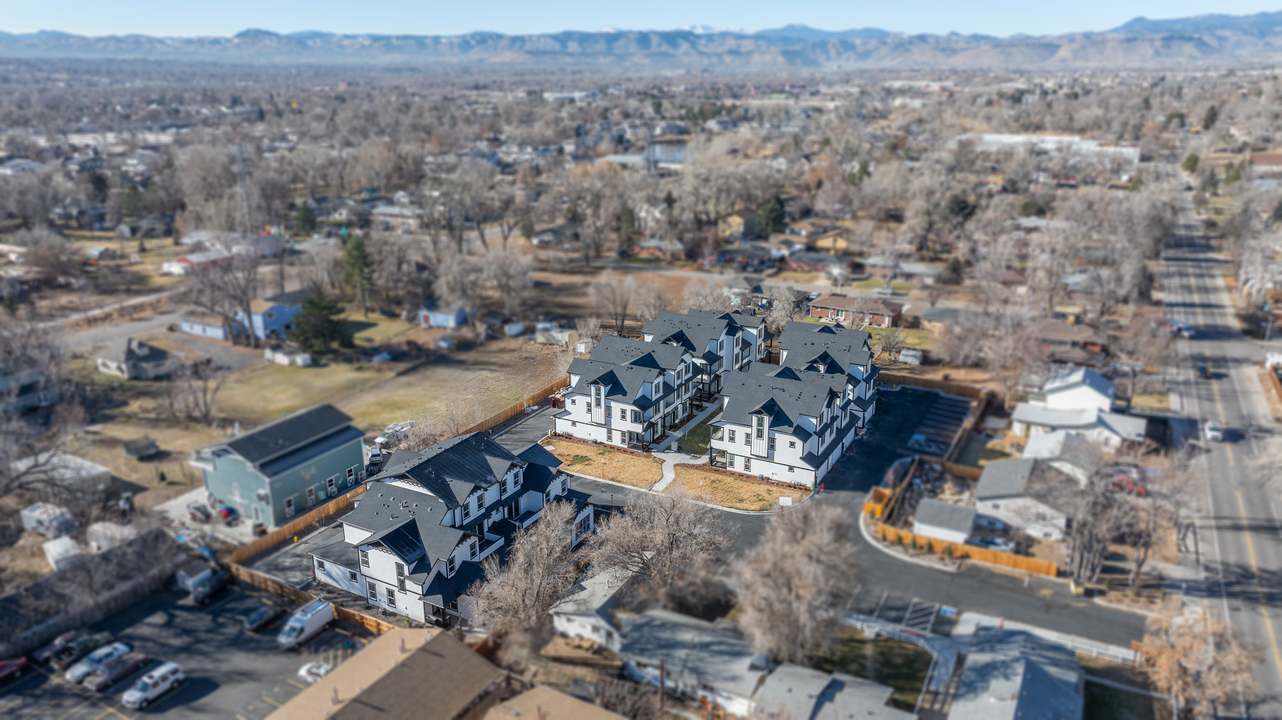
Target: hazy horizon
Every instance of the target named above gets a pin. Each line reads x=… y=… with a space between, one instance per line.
x=999 y=18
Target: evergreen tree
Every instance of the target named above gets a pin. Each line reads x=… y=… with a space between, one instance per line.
x=771 y=219
x=627 y=227
x=1208 y=120
x=305 y=220
x=1190 y=163
x=952 y=273
x=358 y=270
x=319 y=325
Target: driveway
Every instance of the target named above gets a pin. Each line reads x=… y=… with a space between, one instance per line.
x=231 y=673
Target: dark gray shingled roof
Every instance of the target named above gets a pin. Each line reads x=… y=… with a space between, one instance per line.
x=623 y=351
x=1026 y=477
x=452 y=469
x=782 y=393
x=621 y=381
x=289 y=433
x=396 y=515
x=808 y=346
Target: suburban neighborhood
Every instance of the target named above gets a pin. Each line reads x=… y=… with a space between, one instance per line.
x=362 y=389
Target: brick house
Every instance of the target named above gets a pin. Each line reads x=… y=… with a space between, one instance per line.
x=835 y=307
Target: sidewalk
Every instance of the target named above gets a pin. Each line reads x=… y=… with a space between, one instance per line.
x=670 y=461
x=970 y=621
x=687 y=427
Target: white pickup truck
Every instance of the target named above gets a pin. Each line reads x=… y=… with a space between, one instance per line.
x=393 y=434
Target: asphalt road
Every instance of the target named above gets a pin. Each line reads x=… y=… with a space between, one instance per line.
x=1239 y=533
x=889 y=586
x=231 y=673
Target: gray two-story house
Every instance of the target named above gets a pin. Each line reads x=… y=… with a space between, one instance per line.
x=286 y=467
x=717 y=342
x=808 y=347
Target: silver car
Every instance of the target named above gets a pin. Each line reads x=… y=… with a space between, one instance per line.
x=97 y=659
x=1213 y=430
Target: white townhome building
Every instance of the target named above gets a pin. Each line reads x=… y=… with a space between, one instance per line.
x=782 y=424
x=416 y=539
x=810 y=347
x=627 y=393
x=718 y=342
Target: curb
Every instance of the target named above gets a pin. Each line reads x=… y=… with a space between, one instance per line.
x=1122 y=608
x=863 y=530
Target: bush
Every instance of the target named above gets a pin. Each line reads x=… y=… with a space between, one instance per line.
x=952 y=273
x=1032 y=207
x=579 y=459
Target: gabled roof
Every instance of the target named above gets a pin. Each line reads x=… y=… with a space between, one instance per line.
x=800 y=693
x=623 y=351
x=693 y=649
x=408 y=523
x=595 y=595
x=1014 y=674
x=289 y=433
x=1080 y=377
x=134 y=350
x=452 y=469
x=831 y=349
x=781 y=393
x=1127 y=427
x=1024 y=477
x=857 y=303
x=623 y=382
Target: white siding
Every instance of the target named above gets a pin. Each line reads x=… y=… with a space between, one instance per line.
x=1027 y=514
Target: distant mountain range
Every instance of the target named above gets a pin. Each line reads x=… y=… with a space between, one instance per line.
x=1205 y=40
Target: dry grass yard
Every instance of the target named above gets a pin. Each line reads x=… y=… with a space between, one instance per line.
x=585 y=459
x=741 y=494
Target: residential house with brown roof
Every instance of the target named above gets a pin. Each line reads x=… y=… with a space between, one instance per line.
x=854 y=309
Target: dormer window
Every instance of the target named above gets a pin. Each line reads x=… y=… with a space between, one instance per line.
x=449 y=565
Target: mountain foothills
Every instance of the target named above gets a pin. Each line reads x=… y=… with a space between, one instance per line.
x=1206 y=40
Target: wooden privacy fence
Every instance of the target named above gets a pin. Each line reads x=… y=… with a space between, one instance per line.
x=538 y=397
x=978 y=407
x=974 y=392
x=278 y=535
x=961 y=550
x=875 y=505
x=1274 y=382
x=272 y=585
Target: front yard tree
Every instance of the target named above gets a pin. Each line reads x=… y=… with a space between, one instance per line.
x=667 y=540
x=1194 y=660
x=319 y=325
x=706 y=295
x=792 y=584
x=358 y=270
x=305 y=220
x=612 y=297
x=771 y=219
x=1190 y=163
x=513 y=600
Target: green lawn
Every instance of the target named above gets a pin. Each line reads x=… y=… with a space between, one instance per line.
x=902 y=666
x=696 y=441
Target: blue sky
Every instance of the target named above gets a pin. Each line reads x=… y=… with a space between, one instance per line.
x=226 y=17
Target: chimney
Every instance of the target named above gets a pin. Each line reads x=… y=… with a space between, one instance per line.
x=333 y=700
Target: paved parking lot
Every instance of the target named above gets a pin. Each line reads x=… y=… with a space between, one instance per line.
x=231 y=673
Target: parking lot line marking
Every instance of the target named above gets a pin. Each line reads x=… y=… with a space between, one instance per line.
x=273 y=702
x=72 y=710
x=105 y=713
x=117 y=713
x=297 y=684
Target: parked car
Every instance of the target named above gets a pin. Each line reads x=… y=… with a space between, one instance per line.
x=114 y=671
x=79 y=648
x=1203 y=370
x=210 y=586
x=152 y=686
x=45 y=653
x=313 y=671
x=1213 y=431
x=376 y=455
x=96 y=659
x=884 y=290
x=12 y=669
x=263 y=617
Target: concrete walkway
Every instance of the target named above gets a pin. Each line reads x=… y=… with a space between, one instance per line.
x=670 y=462
x=690 y=425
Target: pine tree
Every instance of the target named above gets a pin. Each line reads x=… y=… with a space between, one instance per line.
x=358 y=270
x=305 y=220
x=319 y=325
x=771 y=219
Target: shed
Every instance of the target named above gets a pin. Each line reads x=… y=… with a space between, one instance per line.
x=62 y=553
x=48 y=520
x=289 y=356
x=67 y=470
x=911 y=356
x=106 y=535
x=943 y=521
x=204 y=325
x=435 y=316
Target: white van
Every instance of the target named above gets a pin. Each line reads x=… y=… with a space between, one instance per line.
x=153 y=685
x=306 y=623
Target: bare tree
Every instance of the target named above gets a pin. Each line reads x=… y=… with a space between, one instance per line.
x=650 y=301
x=35 y=354
x=706 y=295
x=613 y=296
x=1010 y=349
x=509 y=271
x=1194 y=659
x=631 y=700
x=513 y=599
x=459 y=281
x=665 y=539
x=228 y=290
x=52 y=256
x=193 y=388
x=791 y=586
